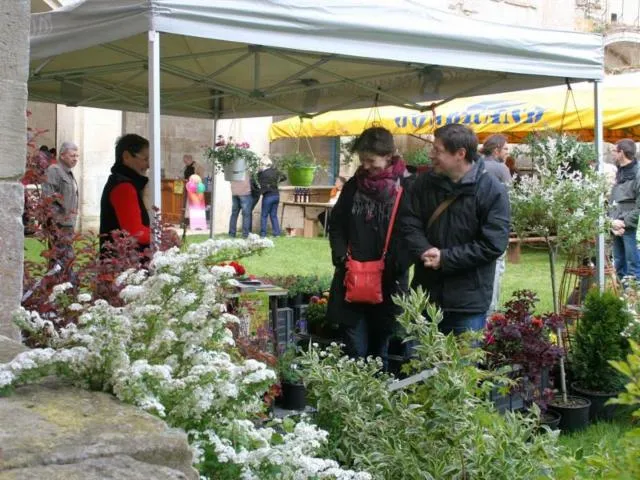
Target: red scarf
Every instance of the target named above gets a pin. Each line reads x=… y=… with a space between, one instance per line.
x=381 y=186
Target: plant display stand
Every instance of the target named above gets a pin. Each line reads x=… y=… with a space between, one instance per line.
x=578 y=277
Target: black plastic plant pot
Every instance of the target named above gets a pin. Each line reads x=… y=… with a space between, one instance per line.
x=294 y=396
x=598 y=410
x=574 y=414
x=551 y=419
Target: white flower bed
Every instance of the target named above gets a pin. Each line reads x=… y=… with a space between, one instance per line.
x=168 y=350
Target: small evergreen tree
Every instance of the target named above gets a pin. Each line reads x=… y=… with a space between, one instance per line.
x=598 y=340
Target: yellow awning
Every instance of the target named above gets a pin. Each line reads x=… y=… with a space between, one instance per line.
x=514 y=114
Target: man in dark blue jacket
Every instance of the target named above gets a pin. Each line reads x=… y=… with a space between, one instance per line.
x=456 y=224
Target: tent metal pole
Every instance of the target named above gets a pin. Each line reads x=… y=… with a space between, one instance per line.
x=154 y=119
x=212 y=212
x=600 y=245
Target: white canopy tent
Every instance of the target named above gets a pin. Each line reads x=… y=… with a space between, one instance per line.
x=240 y=58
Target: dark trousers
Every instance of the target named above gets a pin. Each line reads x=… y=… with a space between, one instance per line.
x=625 y=254
x=366 y=338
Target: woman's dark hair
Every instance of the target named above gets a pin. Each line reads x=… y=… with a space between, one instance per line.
x=342 y=179
x=456 y=136
x=492 y=142
x=131 y=143
x=376 y=140
x=628 y=147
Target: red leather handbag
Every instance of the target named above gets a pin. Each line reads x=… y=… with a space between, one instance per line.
x=363 y=280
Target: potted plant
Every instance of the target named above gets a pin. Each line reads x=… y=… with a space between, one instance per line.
x=561 y=203
x=294 y=393
x=598 y=340
x=519 y=339
x=317 y=321
x=235 y=159
x=300 y=168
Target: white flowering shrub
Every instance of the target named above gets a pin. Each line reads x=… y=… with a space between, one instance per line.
x=558 y=199
x=169 y=351
x=631 y=296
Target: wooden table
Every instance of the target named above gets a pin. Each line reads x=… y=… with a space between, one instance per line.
x=325 y=205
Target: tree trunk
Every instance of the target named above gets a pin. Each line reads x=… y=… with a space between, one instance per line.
x=552 y=267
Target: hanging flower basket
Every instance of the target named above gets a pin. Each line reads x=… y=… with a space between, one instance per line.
x=235 y=170
x=233 y=158
x=300 y=168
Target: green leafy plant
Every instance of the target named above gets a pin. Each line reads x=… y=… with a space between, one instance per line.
x=631 y=296
x=417 y=157
x=294 y=160
x=598 y=339
x=289 y=367
x=437 y=428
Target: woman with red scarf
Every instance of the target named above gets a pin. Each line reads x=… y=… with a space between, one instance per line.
x=358 y=224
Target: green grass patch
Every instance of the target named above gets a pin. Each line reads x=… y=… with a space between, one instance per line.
x=312 y=256
x=596 y=437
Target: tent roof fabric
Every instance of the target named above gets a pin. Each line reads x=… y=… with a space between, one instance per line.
x=514 y=114
x=251 y=58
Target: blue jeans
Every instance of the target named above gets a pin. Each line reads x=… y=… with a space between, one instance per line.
x=625 y=254
x=244 y=203
x=363 y=339
x=458 y=322
x=270 y=203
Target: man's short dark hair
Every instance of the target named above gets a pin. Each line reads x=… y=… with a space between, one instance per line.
x=492 y=142
x=377 y=140
x=456 y=136
x=628 y=147
x=131 y=143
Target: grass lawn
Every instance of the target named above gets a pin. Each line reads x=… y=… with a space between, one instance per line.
x=300 y=256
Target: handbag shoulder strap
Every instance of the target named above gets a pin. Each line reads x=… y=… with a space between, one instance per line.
x=392 y=221
x=440 y=209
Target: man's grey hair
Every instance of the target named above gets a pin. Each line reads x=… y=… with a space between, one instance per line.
x=67 y=146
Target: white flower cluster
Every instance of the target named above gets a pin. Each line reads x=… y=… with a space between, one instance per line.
x=168 y=350
x=556 y=199
x=292 y=454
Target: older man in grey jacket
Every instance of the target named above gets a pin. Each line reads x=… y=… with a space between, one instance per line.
x=62 y=186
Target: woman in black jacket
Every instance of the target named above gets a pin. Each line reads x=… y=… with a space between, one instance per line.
x=269 y=178
x=358 y=224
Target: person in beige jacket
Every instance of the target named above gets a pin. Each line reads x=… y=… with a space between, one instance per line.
x=62 y=186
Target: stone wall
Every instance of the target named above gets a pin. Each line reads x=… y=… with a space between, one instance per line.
x=57 y=432
x=14 y=56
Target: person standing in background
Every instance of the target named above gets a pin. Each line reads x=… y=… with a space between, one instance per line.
x=191 y=167
x=62 y=185
x=122 y=206
x=624 y=210
x=268 y=179
x=241 y=199
x=496 y=151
